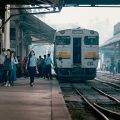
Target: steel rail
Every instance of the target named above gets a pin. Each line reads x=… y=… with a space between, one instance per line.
x=109 y=96
x=91 y=105
x=110 y=112
x=102 y=80
x=104 y=111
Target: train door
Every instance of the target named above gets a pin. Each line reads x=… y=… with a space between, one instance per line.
x=77 y=50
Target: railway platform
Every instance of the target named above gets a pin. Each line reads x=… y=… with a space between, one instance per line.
x=43 y=101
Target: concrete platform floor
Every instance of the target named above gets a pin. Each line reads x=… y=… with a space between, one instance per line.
x=43 y=101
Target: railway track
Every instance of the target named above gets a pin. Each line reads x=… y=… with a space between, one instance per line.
x=96 y=105
x=107 y=82
x=109 y=79
x=77 y=107
x=101 y=115
x=108 y=104
x=101 y=111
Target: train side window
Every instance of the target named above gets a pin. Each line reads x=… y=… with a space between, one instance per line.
x=91 y=40
x=62 y=40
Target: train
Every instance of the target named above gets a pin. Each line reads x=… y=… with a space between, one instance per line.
x=76 y=54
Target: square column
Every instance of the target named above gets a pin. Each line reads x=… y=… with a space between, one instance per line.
x=7 y=28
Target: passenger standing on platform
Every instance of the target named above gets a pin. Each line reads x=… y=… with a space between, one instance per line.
x=24 y=64
x=118 y=66
x=113 y=68
x=40 y=64
x=7 y=68
x=14 y=62
x=44 y=67
x=32 y=66
x=48 y=67
x=2 y=58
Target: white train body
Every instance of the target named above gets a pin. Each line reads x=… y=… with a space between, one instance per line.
x=76 y=53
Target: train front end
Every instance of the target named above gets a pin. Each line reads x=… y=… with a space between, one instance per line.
x=76 y=54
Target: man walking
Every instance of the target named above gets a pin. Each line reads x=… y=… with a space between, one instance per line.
x=48 y=67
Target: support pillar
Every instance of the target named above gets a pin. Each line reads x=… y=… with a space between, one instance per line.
x=7 y=28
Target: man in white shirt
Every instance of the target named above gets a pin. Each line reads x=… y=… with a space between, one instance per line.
x=48 y=67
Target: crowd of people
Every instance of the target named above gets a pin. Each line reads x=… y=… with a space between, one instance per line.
x=31 y=66
x=8 y=62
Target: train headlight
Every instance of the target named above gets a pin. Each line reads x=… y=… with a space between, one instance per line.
x=91 y=32
x=94 y=58
x=62 y=32
x=89 y=63
x=60 y=58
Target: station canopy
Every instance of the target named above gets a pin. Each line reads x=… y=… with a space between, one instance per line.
x=112 y=40
x=21 y=2
x=57 y=3
x=51 y=3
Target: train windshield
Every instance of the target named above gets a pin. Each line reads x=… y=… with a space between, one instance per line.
x=91 y=40
x=62 y=40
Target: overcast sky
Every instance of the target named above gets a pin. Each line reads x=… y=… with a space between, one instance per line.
x=99 y=19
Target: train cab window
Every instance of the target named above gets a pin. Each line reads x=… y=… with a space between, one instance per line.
x=91 y=40
x=62 y=40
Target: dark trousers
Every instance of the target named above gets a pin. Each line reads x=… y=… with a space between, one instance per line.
x=31 y=79
x=1 y=73
x=44 y=71
x=7 y=74
x=25 y=73
x=32 y=71
x=40 y=71
x=49 y=72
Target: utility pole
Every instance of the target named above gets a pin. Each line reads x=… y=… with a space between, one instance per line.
x=7 y=28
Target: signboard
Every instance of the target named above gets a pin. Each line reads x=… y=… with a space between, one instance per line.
x=77 y=32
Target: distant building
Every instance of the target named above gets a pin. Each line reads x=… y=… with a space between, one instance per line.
x=116 y=28
x=110 y=50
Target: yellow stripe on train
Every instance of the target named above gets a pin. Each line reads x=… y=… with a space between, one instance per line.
x=63 y=54
x=90 y=55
